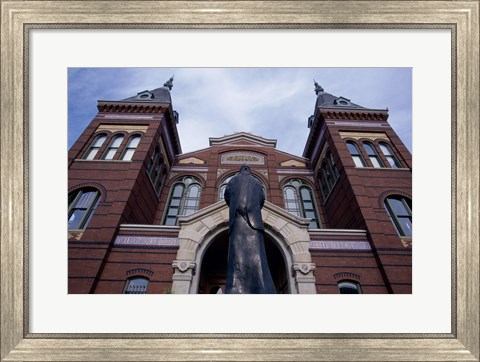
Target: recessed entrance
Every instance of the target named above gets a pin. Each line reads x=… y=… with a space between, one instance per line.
x=213 y=273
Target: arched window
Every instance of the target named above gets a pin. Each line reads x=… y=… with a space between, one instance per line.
x=349 y=287
x=81 y=205
x=373 y=155
x=400 y=211
x=389 y=155
x=356 y=155
x=184 y=199
x=130 y=148
x=95 y=146
x=298 y=198
x=223 y=186
x=136 y=285
x=112 y=148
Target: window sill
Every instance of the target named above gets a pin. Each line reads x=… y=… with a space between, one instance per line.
x=75 y=234
x=406 y=241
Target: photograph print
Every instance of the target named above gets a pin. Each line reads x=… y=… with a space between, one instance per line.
x=240 y=181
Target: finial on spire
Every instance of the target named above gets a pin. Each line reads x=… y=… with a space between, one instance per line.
x=169 y=83
x=318 y=88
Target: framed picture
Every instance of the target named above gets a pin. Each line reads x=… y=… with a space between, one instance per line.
x=139 y=23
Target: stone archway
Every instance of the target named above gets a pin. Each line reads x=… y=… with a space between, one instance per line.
x=211 y=258
x=199 y=230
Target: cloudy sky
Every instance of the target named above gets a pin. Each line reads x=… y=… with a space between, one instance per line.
x=269 y=102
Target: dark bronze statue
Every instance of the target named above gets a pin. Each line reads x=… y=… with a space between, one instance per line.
x=247 y=266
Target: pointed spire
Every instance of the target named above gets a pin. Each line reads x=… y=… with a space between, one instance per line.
x=169 y=83
x=318 y=88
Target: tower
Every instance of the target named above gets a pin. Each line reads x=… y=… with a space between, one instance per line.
x=117 y=169
x=364 y=173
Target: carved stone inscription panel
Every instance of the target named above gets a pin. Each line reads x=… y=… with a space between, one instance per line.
x=238 y=158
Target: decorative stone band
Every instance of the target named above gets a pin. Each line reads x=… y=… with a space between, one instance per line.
x=128 y=116
x=340 y=245
x=369 y=135
x=357 y=124
x=183 y=265
x=303 y=268
x=122 y=127
x=145 y=240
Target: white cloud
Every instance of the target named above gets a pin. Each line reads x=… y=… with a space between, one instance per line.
x=269 y=102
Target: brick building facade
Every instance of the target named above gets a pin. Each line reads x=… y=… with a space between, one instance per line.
x=146 y=218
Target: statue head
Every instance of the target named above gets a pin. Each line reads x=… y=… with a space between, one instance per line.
x=245 y=169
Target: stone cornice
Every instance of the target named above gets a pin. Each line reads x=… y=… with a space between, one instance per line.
x=131 y=107
x=354 y=114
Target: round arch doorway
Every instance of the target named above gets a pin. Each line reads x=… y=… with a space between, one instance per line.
x=213 y=273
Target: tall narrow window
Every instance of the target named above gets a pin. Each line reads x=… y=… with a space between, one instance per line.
x=153 y=160
x=93 y=149
x=81 y=205
x=400 y=211
x=192 y=197
x=356 y=155
x=159 y=185
x=332 y=164
x=174 y=206
x=184 y=199
x=130 y=148
x=327 y=175
x=349 y=287
x=389 y=155
x=112 y=148
x=292 y=200
x=298 y=198
x=308 y=206
x=157 y=171
x=372 y=154
x=136 y=285
x=323 y=186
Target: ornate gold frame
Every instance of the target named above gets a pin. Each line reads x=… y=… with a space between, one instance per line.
x=462 y=17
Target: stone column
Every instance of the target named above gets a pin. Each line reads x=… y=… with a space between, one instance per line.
x=304 y=279
x=183 y=272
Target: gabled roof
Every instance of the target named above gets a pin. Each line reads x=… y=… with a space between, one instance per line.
x=242 y=136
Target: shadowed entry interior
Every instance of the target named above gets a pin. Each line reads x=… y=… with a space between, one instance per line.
x=213 y=272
